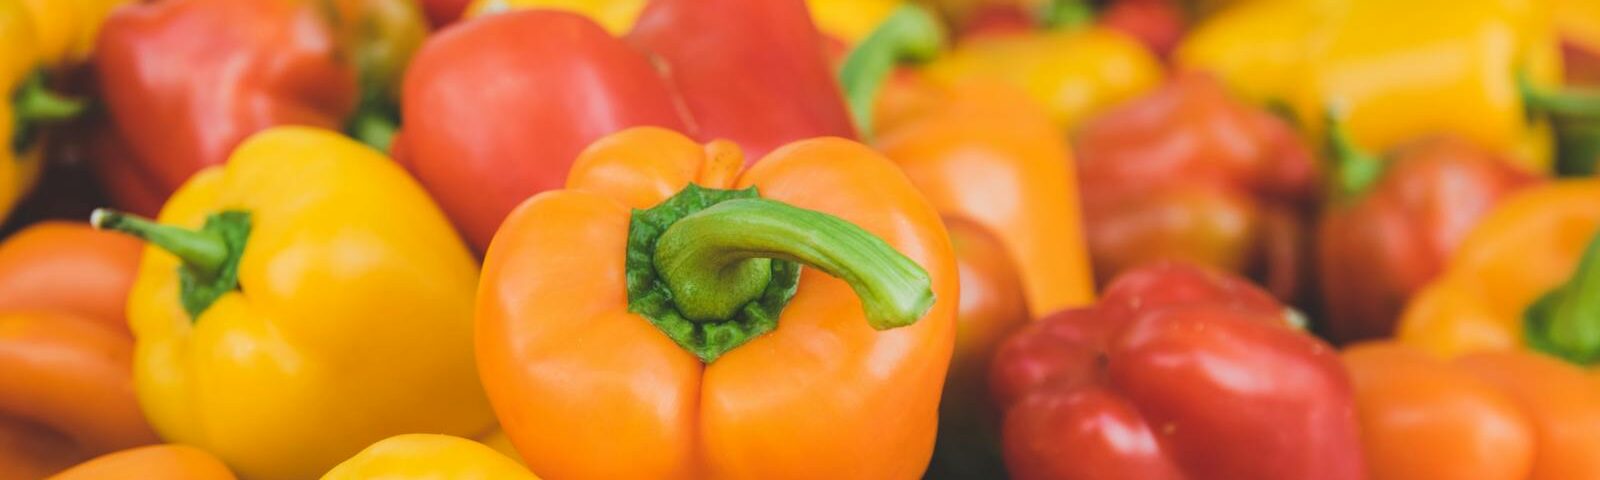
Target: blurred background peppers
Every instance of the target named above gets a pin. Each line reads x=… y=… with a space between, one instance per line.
x=299 y=303
x=482 y=146
x=1178 y=372
x=429 y=456
x=330 y=64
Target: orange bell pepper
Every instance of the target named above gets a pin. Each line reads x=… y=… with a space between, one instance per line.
x=595 y=373
x=1486 y=416
x=66 y=394
x=155 y=461
x=1523 y=250
x=71 y=268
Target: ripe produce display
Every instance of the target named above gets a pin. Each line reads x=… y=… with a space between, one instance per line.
x=800 y=239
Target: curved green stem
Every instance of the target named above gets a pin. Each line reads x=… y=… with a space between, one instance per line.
x=209 y=257
x=1566 y=321
x=909 y=34
x=1566 y=103
x=1066 y=13
x=34 y=105
x=1575 y=114
x=1354 y=170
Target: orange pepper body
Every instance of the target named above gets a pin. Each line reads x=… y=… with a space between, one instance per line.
x=586 y=389
x=157 y=461
x=72 y=268
x=1562 y=402
x=66 y=395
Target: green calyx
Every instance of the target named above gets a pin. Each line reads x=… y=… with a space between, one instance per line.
x=1566 y=321
x=33 y=105
x=1354 y=170
x=209 y=257
x=1066 y=13
x=713 y=269
x=1575 y=114
x=909 y=34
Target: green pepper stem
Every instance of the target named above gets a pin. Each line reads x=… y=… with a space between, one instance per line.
x=34 y=103
x=1354 y=170
x=1570 y=103
x=1065 y=13
x=711 y=260
x=205 y=253
x=1566 y=321
x=375 y=129
x=909 y=34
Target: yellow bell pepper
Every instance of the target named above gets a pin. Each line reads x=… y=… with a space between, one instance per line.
x=1396 y=70
x=1075 y=73
x=846 y=20
x=299 y=303
x=66 y=29
x=427 y=456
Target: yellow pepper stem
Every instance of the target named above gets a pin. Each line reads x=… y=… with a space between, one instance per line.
x=210 y=256
x=34 y=105
x=1566 y=321
x=910 y=34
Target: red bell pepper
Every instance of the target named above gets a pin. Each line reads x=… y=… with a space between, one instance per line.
x=1178 y=372
x=498 y=107
x=444 y=12
x=1188 y=173
x=1393 y=225
x=185 y=81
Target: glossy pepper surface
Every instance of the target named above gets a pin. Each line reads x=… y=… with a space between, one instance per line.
x=844 y=21
x=761 y=83
x=1189 y=173
x=263 y=63
x=1392 y=226
x=26 y=104
x=67 y=394
x=429 y=456
x=1399 y=71
x=1148 y=384
x=571 y=331
x=253 y=306
x=1520 y=254
x=70 y=268
x=156 y=461
x=1486 y=416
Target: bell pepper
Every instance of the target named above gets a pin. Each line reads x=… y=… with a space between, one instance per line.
x=262 y=64
x=663 y=296
x=1187 y=172
x=309 y=279
x=156 y=461
x=444 y=12
x=845 y=21
x=26 y=103
x=1398 y=71
x=71 y=268
x=1519 y=266
x=468 y=135
x=1178 y=372
x=1488 y=416
x=1578 y=24
x=1393 y=224
x=66 y=29
x=67 y=393
x=428 y=456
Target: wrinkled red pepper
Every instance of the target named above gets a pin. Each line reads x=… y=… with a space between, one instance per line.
x=498 y=107
x=1393 y=225
x=1188 y=173
x=1178 y=373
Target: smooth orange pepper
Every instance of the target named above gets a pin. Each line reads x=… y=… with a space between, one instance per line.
x=66 y=394
x=588 y=388
x=69 y=267
x=155 y=461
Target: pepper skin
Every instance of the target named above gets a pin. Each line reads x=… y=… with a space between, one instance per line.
x=1520 y=251
x=67 y=393
x=1396 y=225
x=70 y=268
x=1398 y=71
x=1188 y=173
x=1490 y=416
x=444 y=12
x=263 y=63
x=26 y=104
x=67 y=29
x=427 y=456
x=156 y=461
x=846 y=21
x=467 y=137
x=1149 y=383
x=853 y=386
x=321 y=285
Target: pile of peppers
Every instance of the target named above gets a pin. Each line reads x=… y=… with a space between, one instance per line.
x=775 y=239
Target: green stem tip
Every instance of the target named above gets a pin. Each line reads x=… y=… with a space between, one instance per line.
x=713 y=269
x=209 y=256
x=1566 y=321
x=1354 y=170
x=910 y=34
x=34 y=105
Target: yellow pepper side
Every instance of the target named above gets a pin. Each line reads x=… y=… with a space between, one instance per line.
x=351 y=320
x=427 y=456
x=18 y=169
x=66 y=29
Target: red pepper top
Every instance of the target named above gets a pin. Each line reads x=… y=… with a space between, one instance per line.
x=1188 y=173
x=1179 y=372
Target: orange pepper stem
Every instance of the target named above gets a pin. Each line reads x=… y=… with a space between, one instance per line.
x=210 y=256
x=1354 y=170
x=909 y=34
x=1566 y=321
x=34 y=105
x=721 y=272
